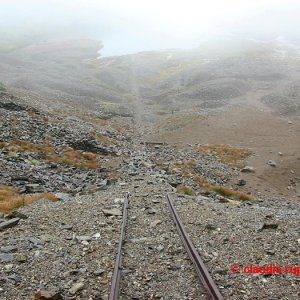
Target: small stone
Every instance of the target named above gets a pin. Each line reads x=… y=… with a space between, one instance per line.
x=9 y=224
x=267 y=226
x=211 y=227
x=241 y=182
x=21 y=258
x=221 y=271
x=36 y=242
x=67 y=227
x=33 y=188
x=84 y=238
x=119 y=200
x=290 y=122
x=63 y=197
x=270 y=251
x=248 y=169
x=8 y=267
x=98 y=272
x=112 y=212
x=280 y=153
x=45 y=295
x=272 y=163
x=46 y=238
x=155 y=223
x=223 y=200
x=151 y=211
x=160 y=248
x=17 y=214
x=76 y=288
x=97 y=236
x=156 y=201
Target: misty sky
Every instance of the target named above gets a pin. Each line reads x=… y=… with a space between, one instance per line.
x=131 y=26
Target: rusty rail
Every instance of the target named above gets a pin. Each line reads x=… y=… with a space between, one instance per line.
x=115 y=284
x=203 y=273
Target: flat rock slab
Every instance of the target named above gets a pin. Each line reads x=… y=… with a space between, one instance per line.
x=9 y=249
x=9 y=224
x=7 y=257
x=112 y=212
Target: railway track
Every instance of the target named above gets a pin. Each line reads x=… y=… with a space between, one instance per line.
x=151 y=261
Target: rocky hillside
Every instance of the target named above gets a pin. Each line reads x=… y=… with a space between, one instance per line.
x=76 y=138
x=81 y=242
x=42 y=152
x=153 y=83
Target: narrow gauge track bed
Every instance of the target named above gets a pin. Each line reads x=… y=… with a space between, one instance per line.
x=155 y=264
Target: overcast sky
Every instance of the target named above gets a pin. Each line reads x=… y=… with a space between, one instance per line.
x=132 y=25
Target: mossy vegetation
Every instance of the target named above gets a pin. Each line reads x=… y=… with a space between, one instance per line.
x=185 y=190
x=229 y=155
x=11 y=200
x=231 y=194
x=47 y=151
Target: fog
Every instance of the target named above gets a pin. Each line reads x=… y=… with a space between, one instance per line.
x=131 y=26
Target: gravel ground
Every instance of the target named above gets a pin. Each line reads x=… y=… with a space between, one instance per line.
x=156 y=265
x=61 y=245
x=69 y=246
x=233 y=233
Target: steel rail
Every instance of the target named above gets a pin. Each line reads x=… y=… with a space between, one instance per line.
x=115 y=284
x=200 y=267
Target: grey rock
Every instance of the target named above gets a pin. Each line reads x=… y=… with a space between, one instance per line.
x=46 y=238
x=160 y=248
x=21 y=258
x=98 y=272
x=151 y=211
x=211 y=226
x=63 y=197
x=112 y=212
x=36 y=242
x=272 y=163
x=8 y=249
x=263 y=226
x=34 y=188
x=85 y=238
x=241 y=182
x=223 y=200
x=7 y=257
x=155 y=223
x=9 y=224
x=270 y=251
x=76 y=288
x=67 y=227
x=17 y=214
x=248 y=169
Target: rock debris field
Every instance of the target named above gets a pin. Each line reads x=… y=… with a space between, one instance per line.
x=67 y=248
